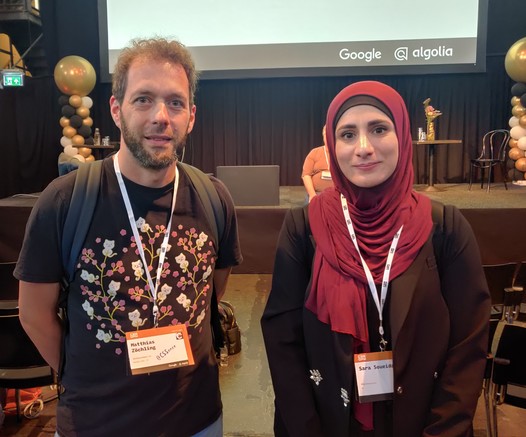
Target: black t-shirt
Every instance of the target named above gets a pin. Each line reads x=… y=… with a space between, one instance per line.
x=109 y=296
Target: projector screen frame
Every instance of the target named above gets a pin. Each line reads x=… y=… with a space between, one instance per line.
x=478 y=67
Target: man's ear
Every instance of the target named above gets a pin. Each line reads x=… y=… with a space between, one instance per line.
x=115 y=110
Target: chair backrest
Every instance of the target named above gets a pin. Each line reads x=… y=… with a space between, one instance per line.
x=494 y=144
x=499 y=277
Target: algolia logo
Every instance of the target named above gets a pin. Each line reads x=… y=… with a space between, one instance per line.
x=368 y=56
x=427 y=54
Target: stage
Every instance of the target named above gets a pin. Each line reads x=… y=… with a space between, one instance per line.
x=498 y=219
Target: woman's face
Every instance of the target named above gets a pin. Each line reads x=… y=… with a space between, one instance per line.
x=366 y=146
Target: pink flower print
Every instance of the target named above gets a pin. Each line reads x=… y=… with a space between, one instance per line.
x=118 y=351
x=88 y=326
x=123 y=232
x=136 y=293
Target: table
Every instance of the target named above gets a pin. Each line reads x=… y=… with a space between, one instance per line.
x=430 y=150
x=99 y=152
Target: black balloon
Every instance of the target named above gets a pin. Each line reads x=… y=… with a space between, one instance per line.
x=518 y=89
x=63 y=100
x=510 y=164
x=68 y=111
x=75 y=121
x=523 y=100
x=515 y=175
x=89 y=141
x=85 y=131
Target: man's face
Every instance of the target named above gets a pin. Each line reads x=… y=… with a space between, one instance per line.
x=155 y=115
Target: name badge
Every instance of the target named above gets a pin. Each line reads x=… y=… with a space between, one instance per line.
x=157 y=349
x=326 y=175
x=374 y=376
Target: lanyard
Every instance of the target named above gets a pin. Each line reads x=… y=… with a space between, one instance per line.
x=133 y=225
x=387 y=271
x=326 y=158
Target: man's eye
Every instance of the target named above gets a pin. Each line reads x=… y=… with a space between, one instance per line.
x=141 y=100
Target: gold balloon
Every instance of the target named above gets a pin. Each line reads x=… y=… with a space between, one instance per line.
x=84 y=151
x=76 y=101
x=77 y=140
x=69 y=131
x=90 y=158
x=522 y=121
x=64 y=121
x=515 y=100
x=516 y=153
x=520 y=164
x=88 y=121
x=75 y=75
x=515 y=61
x=83 y=112
x=518 y=111
x=513 y=143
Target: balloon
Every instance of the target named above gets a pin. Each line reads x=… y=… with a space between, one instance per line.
x=521 y=143
x=510 y=164
x=64 y=121
x=63 y=100
x=69 y=131
x=70 y=150
x=87 y=102
x=518 y=89
x=75 y=101
x=518 y=111
x=90 y=158
x=523 y=100
x=515 y=100
x=75 y=121
x=513 y=142
x=83 y=111
x=520 y=164
x=88 y=121
x=515 y=61
x=79 y=157
x=77 y=140
x=65 y=141
x=515 y=175
x=68 y=111
x=517 y=132
x=84 y=151
x=74 y=75
x=522 y=121
x=85 y=131
x=514 y=121
x=516 y=153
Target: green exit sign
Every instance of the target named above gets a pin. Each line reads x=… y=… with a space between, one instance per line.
x=12 y=78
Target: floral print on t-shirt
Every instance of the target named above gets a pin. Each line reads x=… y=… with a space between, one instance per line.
x=118 y=298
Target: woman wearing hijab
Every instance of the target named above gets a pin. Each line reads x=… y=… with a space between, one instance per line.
x=376 y=324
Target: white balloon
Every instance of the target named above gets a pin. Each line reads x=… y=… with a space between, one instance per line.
x=71 y=151
x=521 y=143
x=514 y=121
x=79 y=158
x=517 y=132
x=87 y=102
x=65 y=141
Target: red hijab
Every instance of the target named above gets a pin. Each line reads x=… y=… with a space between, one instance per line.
x=339 y=285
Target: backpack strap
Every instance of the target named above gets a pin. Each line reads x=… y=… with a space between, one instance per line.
x=209 y=198
x=80 y=213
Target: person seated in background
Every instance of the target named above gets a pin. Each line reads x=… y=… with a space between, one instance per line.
x=316 y=173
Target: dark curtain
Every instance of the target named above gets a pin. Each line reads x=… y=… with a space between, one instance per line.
x=257 y=121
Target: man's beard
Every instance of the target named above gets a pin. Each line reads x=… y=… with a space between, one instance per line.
x=149 y=160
